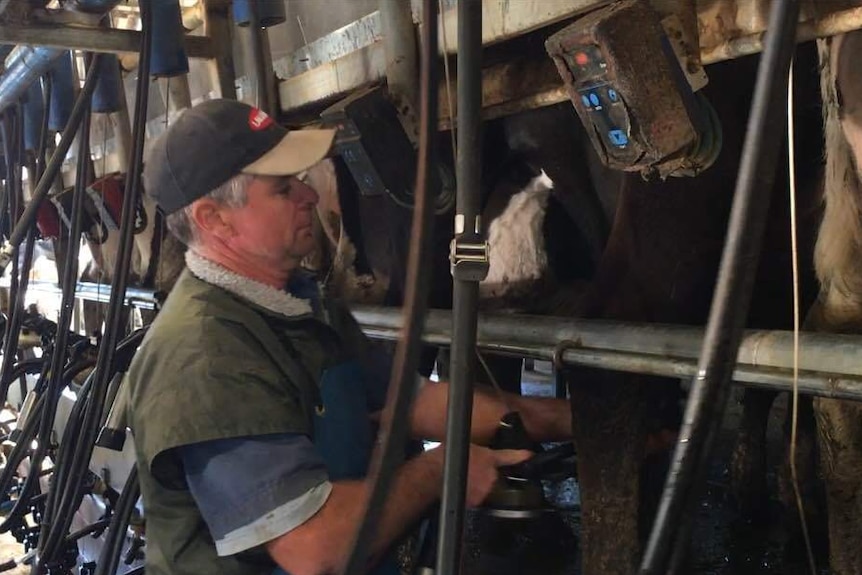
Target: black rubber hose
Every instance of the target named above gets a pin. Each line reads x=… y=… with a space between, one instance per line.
x=63 y=483
x=10 y=345
x=402 y=387
x=123 y=357
x=46 y=415
x=22 y=447
x=96 y=528
x=6 y=131
x=13 y=145
x=30 y=366
x=67 y=448
x=465 y=288
x=70 y=498
x=730 y=304
x=56 y=379
x=25 y=222
x=113 y=548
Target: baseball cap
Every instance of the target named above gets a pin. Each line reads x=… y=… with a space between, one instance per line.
x=219 y=139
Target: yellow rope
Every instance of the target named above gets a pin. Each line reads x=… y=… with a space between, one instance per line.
x=791 y=160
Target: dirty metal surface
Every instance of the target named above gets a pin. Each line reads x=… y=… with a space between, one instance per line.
x=728 y=29
x=652 y=106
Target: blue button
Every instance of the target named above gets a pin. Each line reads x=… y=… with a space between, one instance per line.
x=594 y=98
x=586 y=101
x=612 y=95
x=618 y=138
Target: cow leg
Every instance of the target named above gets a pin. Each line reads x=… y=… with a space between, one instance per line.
x=609 y=429
x=839 y=426
x=806 y=470
x=748 y=461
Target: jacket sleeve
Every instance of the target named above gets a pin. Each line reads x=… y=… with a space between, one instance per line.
x=210 y=382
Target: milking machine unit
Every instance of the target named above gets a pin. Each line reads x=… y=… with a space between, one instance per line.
x=633 y=96
x=52 y=494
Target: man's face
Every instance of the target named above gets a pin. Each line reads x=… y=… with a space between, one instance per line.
x=275 y=224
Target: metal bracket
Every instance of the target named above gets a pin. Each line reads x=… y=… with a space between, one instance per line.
x=469 y=252
x=469 y=258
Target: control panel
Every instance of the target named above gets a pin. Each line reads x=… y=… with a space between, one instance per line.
x=629 y=90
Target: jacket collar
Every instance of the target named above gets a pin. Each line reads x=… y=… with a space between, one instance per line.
x=260 y=294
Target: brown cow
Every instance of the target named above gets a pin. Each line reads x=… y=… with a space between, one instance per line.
x=838 y=258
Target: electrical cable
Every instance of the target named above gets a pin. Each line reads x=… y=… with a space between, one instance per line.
x=402 y=388
x=668 y=541
x=59 y=517
x=113 y=548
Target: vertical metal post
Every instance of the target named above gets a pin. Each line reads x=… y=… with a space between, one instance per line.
x=176 y=92
x=257 y=44
x=469 y=255
x=399 y=42
x=218 y=28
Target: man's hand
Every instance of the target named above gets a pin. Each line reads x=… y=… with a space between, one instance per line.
x=482 y=471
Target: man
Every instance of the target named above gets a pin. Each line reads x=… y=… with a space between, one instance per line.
x=251 y=394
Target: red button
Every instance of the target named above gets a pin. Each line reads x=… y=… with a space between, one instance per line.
x=582 y=59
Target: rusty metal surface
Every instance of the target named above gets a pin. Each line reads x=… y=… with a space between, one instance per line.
x=654 y=104
x=727 y=29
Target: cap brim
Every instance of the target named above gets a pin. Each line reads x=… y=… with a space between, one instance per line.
x=295 y=153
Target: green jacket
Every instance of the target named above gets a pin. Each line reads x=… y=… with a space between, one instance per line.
x=213 y=366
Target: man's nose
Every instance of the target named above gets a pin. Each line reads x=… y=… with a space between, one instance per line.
x=306 y=194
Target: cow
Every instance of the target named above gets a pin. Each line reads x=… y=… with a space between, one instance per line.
x=569 y=237
x=611 y=246
x=839 y=305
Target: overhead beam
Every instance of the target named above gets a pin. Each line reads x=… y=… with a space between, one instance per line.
x=112 y=40
x=506 y=20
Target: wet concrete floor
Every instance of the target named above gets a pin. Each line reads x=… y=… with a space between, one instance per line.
x=722 y=544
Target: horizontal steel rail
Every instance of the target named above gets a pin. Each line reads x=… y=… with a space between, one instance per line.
x=830 y=364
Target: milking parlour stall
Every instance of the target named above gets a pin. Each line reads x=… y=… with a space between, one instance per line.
x=649 y=210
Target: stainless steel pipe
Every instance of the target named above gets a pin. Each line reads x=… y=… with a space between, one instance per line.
x=830 y=364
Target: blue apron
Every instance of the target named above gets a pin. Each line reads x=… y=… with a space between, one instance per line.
x=343 y=434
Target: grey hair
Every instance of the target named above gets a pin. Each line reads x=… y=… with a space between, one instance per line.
x=232 y=193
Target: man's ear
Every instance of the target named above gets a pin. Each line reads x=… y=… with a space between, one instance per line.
x=210 y=217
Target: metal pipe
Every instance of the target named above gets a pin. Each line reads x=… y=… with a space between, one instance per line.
x=218 y=29
x=834 y=385
x=832 y=24
x=27 y=65
x=94 y=6
x=396 y=414
x=835 y=353
x=466 y=275
x=176 y=93
x=139 y=297
x=399 y=43
x=114 y=40
x=259 y=59
x=708 y=397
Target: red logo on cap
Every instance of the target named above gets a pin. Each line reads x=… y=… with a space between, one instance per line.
x=258 y=120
